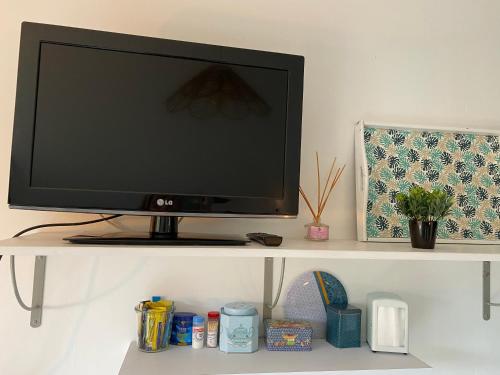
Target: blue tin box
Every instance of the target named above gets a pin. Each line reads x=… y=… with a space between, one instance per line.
x=288 y=335
x=343 y=326
x=239 y=328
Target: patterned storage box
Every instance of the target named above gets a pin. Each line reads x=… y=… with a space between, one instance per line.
x=288 y=335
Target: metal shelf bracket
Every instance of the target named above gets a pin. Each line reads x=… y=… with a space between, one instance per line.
x=267 y=313
x=38 y=287
x=487 y=304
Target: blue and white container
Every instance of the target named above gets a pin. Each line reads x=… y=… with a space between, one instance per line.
x=182 y=329
x=239 y=328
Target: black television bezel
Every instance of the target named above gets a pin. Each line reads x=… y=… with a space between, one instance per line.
x=22 y=195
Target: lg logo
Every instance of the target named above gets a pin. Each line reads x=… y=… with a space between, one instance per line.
x=162 y=202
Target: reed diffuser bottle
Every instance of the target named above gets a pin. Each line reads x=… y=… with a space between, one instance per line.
x=316 y=230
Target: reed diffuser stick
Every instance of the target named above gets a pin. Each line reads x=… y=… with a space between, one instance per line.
x=308 y=203
x=325 y=193
x=334 y=183
x=319 y=181
x=328 y=179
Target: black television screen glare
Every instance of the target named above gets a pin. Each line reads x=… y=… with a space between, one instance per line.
x=119 y=123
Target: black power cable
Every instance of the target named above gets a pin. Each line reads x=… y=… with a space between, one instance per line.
x=65 y=224
x=12 y=257
x=19 y=234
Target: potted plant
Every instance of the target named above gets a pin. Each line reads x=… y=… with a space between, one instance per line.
x=423 y=209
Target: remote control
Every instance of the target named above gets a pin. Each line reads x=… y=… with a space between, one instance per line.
x=265 y=239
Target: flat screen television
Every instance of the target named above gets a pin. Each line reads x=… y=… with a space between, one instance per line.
x=123 y=124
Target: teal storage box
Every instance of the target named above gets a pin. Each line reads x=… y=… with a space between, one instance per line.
x=343 y=326
x=288 y=335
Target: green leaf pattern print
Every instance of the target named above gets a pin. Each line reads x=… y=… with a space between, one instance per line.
x=464 y=165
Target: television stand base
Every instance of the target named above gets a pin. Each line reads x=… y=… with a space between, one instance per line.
x=163 y=232
x=143 y=239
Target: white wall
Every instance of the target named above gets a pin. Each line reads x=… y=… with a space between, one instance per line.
x=420 y=61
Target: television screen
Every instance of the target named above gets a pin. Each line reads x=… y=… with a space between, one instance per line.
x=120 y=120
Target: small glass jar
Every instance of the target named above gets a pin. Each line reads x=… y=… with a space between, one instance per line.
x=154 y=329
x=317 y=232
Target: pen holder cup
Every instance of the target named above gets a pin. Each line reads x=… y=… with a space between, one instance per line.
x=154 y=328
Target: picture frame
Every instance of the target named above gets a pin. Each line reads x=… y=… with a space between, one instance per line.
x=464 y=162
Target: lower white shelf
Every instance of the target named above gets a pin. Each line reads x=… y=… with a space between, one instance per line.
x=324 y=359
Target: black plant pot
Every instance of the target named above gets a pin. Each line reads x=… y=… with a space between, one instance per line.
x=423 y=234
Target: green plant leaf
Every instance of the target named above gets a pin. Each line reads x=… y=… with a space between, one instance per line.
x=454 y=179
x=468 y=159
x=386 y=174
x=442 y=232
x=387 y=209
x=436 y=155
x=424 y=205
x=371 y=227
x=486 y=181
x=372 y=193
x=452 y=146
x=470 y=190
x=404 y=186
x=438 y=135
x=490 y=214
x=456 y=212
x=484 y=148
x=402 y=152
x=474 y=201
x=385 y=140
x=420 y=177
x=418 y=143
x=476 y=234
x=470 y=136
x=437 y=185
x=404 y=164
x=474 y=224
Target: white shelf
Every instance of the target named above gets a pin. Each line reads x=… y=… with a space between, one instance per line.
x=324 y=359
x=51 y=243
